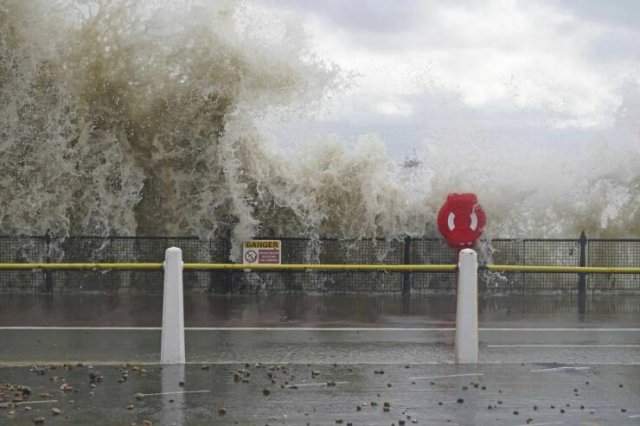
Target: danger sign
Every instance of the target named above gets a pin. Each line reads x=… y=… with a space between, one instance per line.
x=258 y=252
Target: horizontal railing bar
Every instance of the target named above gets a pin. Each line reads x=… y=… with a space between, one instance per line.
x=319 y=267
x=229 y=266
x=562 y=269
x=81 y=266
x=401 y=239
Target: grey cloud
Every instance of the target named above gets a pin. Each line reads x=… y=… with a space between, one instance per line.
x=616 y=46
x=607 y=12
x=363 y=15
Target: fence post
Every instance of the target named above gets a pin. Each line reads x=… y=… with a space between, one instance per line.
x=172 y=350
x=582 y=277
x=406 y=276
x=48 y=279
x=524 y=262
x=467 y=309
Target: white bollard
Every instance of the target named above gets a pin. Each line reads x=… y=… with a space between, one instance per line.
x=172 y=347
x=467 y=310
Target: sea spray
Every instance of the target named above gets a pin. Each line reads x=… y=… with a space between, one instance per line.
x=143 y=118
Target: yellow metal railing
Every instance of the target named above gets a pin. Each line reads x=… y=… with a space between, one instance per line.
x=227 y=267
x=564 y=269
x=315 y=267
x=322 y=267
x=81 y=266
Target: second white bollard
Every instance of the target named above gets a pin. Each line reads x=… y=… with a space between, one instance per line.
x=172 y=349
x=467 y=309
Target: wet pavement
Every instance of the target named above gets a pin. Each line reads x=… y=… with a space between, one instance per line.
x=320 y=346
x=325 y=395
x=205 y=310
x=320 y=361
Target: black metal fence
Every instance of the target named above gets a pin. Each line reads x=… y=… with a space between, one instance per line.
x=571 y=252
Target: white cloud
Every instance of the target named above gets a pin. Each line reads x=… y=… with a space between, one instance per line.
x=533 y=72
x=517 y=55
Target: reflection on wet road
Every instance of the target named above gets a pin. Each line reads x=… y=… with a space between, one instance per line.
x=291 y=360
x=259 y=394
x=204 y=310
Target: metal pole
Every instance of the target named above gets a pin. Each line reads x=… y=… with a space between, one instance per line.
x=48 y=279
x=582 y=277
x=467 y=310
x=406 y=277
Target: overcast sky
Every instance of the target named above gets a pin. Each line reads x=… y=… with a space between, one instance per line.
x=531 y=71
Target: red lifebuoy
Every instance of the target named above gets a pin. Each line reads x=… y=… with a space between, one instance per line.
x=461 y=220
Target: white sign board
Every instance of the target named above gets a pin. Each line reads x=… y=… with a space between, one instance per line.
x=262 y=252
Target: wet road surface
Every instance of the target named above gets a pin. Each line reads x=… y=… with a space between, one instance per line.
x=320 y=346
x=312 y=329
x=315 y=360
x=205 y=310
x=328 y=395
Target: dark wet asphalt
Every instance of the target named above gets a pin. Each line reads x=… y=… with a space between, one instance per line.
x=328 y=395
x=384 y=346
x=319 y=330
x=375 y=333
x=204 y=310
